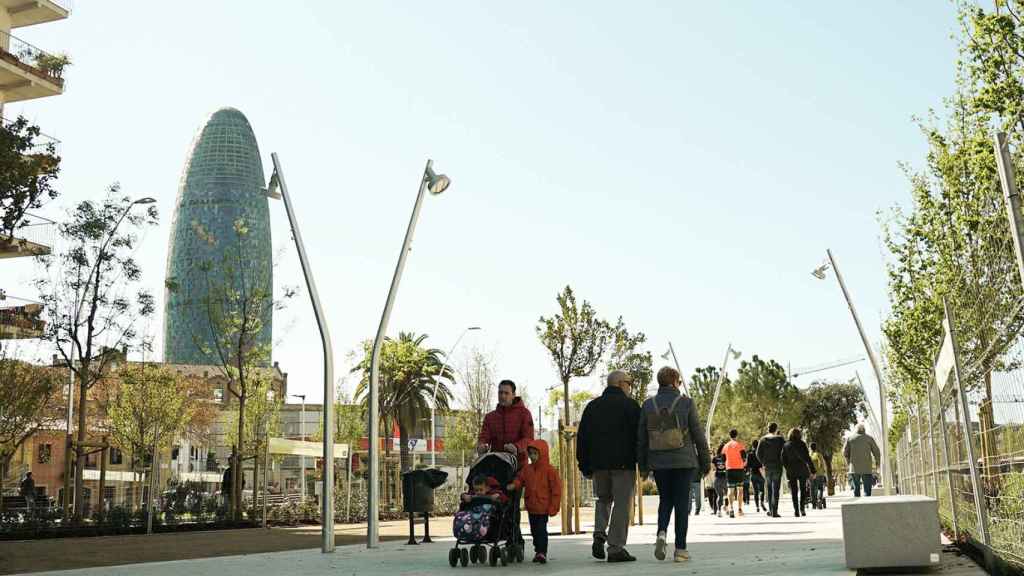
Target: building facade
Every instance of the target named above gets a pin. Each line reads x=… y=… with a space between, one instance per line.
x=220 y=243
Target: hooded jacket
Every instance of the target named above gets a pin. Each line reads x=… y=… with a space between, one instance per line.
x=508 y=425
x=543 y=485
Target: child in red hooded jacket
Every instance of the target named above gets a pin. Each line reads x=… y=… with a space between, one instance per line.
x=543 y=495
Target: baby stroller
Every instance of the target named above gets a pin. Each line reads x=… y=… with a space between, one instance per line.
x=487 y=524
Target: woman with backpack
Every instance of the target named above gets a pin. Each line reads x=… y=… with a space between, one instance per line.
x=671 y=444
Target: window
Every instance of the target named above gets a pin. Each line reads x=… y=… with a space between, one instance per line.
x=90 y=460
x=43 y=453
x=218 y=395
x=116 y=457
x=174 y=452
x=108 y=497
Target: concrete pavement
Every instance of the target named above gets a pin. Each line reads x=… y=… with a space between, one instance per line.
x=752 y=545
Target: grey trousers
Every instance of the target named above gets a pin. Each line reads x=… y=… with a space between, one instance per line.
x=613 y=489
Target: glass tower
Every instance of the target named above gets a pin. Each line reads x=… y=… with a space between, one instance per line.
x=219 y=261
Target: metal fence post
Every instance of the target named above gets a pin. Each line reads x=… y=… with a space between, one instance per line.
x=962 y=395
x=945 y=454
x=1010 y=194
x=920 y=450
x=931 y=440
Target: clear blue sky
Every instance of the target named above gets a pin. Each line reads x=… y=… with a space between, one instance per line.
x=683 y=165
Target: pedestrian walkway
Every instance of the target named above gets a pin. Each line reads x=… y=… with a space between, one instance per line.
x=748 y=546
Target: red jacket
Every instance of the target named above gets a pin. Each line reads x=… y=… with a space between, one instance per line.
x=543 y=485
x=508 y=425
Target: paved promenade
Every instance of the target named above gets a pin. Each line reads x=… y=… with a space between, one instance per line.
x=753 y=545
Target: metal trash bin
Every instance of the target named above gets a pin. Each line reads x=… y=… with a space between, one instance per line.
x=418 y=497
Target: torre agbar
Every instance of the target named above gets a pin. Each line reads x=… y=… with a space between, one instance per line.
x=220 y=238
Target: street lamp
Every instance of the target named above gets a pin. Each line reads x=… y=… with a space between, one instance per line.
x=278 y=189
x=672 y=352
x=819 y=273
x=735 y=354
x=433 y=398
x=302 y=433
x=436 y=184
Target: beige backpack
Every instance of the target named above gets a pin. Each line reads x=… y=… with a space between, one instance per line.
x=663 y=429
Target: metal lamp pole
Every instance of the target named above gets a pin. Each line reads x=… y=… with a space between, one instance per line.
x=436 y=183
x=718 y=388
x=433 y=399
x=302 y=433
x=327 y=500
x=819 y=273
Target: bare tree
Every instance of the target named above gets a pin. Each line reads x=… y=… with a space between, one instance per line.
x=478 y=374
x=85 y=291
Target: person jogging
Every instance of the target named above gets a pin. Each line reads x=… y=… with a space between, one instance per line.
x=769 y=453
x=735 y=461
x=756 y=476
x=721 y=478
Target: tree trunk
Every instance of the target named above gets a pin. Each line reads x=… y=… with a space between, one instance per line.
x=236 y=476
x=5 y=461
x=403 y=449
x=567 y=473
x=83 y=388
x=830 y=481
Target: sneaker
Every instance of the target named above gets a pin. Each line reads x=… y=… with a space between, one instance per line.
x=536 y=558
x=681 y=556
x=659 y=546
x=621 y=556
x=597 y=550
x=540 y=558
x=732 y=514
x=740 y=513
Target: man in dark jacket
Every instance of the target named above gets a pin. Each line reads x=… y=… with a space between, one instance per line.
x=769 y=452
x=606 y=451
x=509 y=426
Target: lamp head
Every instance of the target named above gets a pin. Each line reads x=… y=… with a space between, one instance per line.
x=819 y=272
x=474 y=328
x=735 y=354
x=665 y=355
x=274 y=186
x=146 y=200
x=436 y=183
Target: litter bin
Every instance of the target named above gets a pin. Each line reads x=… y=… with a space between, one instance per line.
x=418 y=497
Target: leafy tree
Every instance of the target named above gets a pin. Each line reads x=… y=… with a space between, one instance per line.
x=764 y=394
x=626 y=356
x=461 y=430
x=828 y=411
x=408 y=373
x=28 y=169
x=577 y=400
x=85 y=292
x=29 y=397
x=261 y=421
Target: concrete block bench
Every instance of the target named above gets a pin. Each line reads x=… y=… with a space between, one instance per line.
x=891 y=532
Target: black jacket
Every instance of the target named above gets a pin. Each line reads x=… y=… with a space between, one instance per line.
x=797 y=459
x=606 y=439
x=769 y=451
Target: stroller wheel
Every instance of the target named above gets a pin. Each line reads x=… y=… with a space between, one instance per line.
x=493 y=559
x=464 y=557
x=519 y=554
x=472 y=554
x=453 y=557
x=505 y=556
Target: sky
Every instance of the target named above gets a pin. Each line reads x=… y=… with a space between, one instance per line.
x=683 y=165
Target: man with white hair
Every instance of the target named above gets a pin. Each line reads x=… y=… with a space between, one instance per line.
x=859 y=451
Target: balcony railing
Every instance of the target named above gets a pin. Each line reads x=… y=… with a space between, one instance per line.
x=34 y=238
x=40 y=144
x=20 y=318
x=33 y=60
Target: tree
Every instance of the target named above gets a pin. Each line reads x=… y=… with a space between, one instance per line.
x=28 y=168
x=235 y=312
x=149 y=405
x=261 y=421
x=408 y=374
x=702 y=390
x=85 y=292
x=479 y=382
x=828 y=411
x=461 y=432
x=28 y=400
x=577 y=400
x=625 y=356
x=760 y=395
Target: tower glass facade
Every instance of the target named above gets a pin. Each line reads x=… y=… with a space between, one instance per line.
x=220 y=245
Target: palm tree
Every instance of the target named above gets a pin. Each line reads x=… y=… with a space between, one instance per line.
x=408 y=372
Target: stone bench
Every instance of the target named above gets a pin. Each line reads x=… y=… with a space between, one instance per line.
x=891 y=532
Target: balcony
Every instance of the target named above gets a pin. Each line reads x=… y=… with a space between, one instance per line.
x=20 y=318
x=29 y=12
x=33 y=238
x=26 y=72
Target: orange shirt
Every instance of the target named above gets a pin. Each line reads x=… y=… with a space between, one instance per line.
x=733 y=455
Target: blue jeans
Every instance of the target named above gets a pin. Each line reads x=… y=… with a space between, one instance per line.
x=539 y=531
x=674 y=495
x=695 y=495
x=867 y=479
x=773 y=478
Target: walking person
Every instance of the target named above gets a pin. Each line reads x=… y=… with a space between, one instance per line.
x=709 y=491
x=508 y=428
x=769 y=453
x=27 y=489
x=721 y=478
x=695 y=494
x=858 y=451
x=543 y=491
x=606 y=451
x=671 y=444
x=820 y=479
x=735 y=462
x=754 y=468
x=797 y=462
